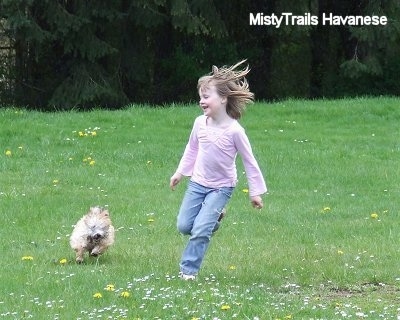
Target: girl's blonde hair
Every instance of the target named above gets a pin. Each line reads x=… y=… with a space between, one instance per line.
x=230 y=84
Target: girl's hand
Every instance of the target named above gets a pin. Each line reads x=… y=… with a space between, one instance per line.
x=256 y=202
x=175 y=179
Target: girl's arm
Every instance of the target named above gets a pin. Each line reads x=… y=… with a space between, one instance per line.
x=175 y=179
x=257 y=185
x=186 y=164
x=256 y=202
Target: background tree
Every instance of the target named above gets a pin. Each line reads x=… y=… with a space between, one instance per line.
x=373 y=59
x=98 y=53
x=63 y=52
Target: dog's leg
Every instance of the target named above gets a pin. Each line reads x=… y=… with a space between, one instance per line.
x=79 y=254
x=98 y=249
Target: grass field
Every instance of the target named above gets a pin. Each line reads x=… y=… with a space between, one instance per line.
x=325 y=246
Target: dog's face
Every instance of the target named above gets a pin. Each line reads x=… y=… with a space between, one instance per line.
x=98 y=222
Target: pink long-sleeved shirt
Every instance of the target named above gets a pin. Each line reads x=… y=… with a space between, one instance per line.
x=210 y=155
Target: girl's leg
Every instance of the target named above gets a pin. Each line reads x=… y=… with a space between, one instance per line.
x=190 y=207
x=203 y=226
x=222 y=214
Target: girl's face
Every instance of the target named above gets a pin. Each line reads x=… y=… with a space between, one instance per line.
x=211 y=102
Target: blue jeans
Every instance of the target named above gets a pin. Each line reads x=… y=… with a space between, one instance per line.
x=198 y=217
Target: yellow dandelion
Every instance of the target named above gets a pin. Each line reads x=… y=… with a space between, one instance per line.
x=148 y=162
x=326 y=209
x=110 y=287
x=97 y=295
x=55 y=181
x=125 y=294
x=340 y=252
x=92 y=162
x=81 y=134
x=8 y=153
x=225 y=307
x=232 y=267
x=374 y=215
x=94 y=133
x=195 y=318
x=289 y=316
x=150 y=220
x=63 y=261
x=245 y=190
x=27 y=258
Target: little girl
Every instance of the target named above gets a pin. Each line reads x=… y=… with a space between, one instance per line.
x=209 y=159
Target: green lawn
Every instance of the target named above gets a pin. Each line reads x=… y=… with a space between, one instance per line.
x=325 y=246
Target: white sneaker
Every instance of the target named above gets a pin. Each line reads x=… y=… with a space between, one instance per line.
x=187 y=277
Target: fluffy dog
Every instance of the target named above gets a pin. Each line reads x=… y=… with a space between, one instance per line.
x=93 y=233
